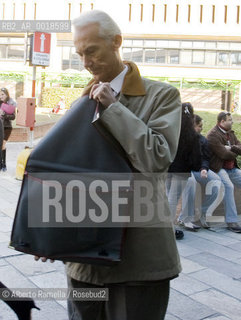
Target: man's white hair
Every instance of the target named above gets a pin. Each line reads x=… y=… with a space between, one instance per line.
x=108 y=27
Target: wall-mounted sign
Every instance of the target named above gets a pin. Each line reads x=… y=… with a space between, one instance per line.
x=35 y=25
x=41 y=49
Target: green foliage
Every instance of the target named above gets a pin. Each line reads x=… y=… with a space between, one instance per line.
x=66 y=79
x=52 y=96
x=209 y=84
x=12 y=76
x=210 y=120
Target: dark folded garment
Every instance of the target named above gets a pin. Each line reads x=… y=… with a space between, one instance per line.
x=77 y=152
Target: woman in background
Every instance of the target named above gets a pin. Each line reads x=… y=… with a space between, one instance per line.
x=188 y=158
x=7 y=114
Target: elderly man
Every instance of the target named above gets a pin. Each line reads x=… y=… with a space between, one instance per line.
x=226 y=147
x=144 y=117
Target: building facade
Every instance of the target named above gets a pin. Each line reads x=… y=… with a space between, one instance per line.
x=174 y=39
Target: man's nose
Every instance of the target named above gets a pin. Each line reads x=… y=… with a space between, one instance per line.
x=87 y=62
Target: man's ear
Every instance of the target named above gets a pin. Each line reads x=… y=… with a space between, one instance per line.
x=117 y=41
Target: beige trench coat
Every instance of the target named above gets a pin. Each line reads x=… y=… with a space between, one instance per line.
x=146 y=121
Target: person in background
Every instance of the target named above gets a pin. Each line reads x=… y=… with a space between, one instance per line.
x=188 y=158
x=21 y=306
x=225 y=148
x=7 y=114
x=1 y=139
x=204 y=176
x=59 y=106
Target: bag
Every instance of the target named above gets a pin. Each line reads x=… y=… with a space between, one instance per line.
x=8 y=108
x=73 y=152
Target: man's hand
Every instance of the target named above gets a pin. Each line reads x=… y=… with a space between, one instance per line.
x=43 y=259
x=228 y=148
x=103 y=93
x=204 y=174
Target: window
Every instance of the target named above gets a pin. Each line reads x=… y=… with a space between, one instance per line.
x=137 y=54
x=127 y=42
x=210 y=45
x=150 y=55
x=11 y=48
x=65 y=58
x=183 y=52
x=210 y=58
x=198 y=57
x=150 y=43
x=223 y=45
x=70 y=59
x=235 y=46
x=198 y=44
x=223 y=58
x=15 y=52
x=186 y=44
x=137 y=43
x=3 y=51
x=173 y=44
x=186 y=57
x=162 y=43
x=75 y=61
x=126 y=53
x=236 y=58
x=173 y=56
x=160 y=56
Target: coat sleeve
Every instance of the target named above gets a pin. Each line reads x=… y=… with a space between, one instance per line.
x=150 y=146
x=218 y=148
x=9 y=116
x=205 y=153
x=236 y=148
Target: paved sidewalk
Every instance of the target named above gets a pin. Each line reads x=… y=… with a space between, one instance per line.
x=208 y=288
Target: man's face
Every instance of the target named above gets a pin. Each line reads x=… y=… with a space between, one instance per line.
x=98 y=55
x=198 y=127
x=227 y=124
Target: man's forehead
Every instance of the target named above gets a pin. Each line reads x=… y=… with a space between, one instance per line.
x=87 y=33
x=88 y=28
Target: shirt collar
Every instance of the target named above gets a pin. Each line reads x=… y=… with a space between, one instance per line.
x=117 y=82
x=132 y=85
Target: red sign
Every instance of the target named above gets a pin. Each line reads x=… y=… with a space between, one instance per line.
x=41 y=48
x=42 y=42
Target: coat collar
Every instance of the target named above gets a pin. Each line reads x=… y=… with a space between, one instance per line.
x=218 y=129
x=132 y=85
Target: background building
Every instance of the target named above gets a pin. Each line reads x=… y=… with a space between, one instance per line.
x=191 y=43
